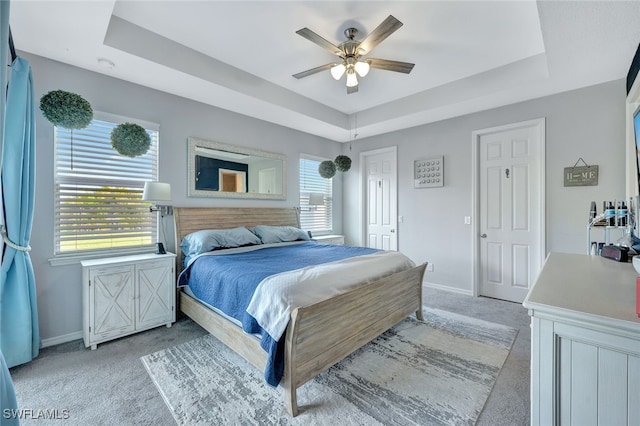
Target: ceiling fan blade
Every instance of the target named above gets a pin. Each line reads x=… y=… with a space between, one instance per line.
x=314 y=70
x=315 y=38
x=385 y=64
x=382 y=31
x=351 y=90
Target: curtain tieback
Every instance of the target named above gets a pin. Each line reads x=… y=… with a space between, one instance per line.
x=11 y=244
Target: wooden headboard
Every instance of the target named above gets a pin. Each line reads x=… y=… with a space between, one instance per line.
x=191 y=219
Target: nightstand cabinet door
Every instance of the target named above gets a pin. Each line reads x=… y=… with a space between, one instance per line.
x=155 y=294
x=111 y=301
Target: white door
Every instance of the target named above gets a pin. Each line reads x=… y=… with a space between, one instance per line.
x=381 y=199
x=267 y=181
x=511 y=209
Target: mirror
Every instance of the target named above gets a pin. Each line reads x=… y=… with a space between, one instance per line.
x=221 y=170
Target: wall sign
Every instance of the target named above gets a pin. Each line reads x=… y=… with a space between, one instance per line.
x=586 y=175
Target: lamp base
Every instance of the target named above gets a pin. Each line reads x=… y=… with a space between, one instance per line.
x=160 y=248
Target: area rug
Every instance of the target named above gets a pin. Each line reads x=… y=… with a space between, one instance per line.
x=440 y=371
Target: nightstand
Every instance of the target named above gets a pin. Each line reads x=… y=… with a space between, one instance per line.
x=126 y=294
x=330 y=239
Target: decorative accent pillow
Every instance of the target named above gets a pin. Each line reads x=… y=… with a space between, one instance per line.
x=211 y=239
x=279 y=234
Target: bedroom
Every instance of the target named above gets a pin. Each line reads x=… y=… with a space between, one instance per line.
x=586 y=121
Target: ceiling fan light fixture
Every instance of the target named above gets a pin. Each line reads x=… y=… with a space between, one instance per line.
x=338 y=71
x=352 y=80
x=351 y=52
x=362 y=68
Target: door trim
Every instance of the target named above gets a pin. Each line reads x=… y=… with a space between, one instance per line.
x=540 y=123
x=363 y=191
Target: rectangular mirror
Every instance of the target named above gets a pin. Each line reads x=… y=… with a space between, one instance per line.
x=229 y=171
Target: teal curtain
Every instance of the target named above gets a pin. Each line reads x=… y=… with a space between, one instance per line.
x=8 y=415
x=19 y=334
x=7 y=392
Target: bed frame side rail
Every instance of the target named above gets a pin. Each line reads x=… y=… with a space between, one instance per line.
x=230 y=334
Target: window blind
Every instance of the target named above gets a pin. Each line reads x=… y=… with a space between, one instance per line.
x=98 y=192
x=317 y=219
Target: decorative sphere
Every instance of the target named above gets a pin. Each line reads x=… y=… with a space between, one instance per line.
x=327 y=169
x=66 y=109
x=130 y=139
x=343 y=163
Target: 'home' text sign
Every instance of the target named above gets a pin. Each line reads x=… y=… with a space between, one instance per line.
x=581 y=176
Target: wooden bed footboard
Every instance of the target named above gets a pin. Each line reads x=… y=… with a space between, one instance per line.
x=322 y=334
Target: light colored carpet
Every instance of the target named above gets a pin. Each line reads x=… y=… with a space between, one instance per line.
x=440 y=371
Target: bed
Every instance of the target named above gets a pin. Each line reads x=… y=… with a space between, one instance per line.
x=318 y=335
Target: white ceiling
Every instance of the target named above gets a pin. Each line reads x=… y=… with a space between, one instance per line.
x=240 y=55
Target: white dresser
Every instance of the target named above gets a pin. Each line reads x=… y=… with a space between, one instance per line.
x=126 y=294
x=585 y=343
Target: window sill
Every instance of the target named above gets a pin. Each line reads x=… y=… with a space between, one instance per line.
x=73 y=258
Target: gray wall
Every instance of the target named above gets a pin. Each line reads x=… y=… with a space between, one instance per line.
x=587 y=123
x=59 y=288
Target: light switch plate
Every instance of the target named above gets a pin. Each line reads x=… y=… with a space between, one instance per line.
x=428 y=172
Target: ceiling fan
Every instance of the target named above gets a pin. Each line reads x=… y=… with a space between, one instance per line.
x=351 y=51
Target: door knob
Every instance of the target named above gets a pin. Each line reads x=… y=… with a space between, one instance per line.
x=483 y=235
x=392 y=230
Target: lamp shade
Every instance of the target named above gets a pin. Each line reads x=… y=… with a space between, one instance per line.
x=362 y=68
x=156 y=191
x=352 y=80
x=316 y=199
x=337 y=71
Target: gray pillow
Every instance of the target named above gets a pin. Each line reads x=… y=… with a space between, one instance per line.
x=211 y=239
x=279 y=234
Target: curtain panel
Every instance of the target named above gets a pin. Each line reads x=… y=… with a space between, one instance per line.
x=19 y=332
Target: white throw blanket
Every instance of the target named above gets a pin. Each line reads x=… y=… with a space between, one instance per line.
x=278 y=294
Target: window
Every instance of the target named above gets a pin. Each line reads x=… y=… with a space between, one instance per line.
x=98 y=192
x=313 y=188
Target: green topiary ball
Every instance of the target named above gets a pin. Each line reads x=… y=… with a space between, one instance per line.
x=343 y=163
x=130 y=140
x=65 y=109
x=327 y=169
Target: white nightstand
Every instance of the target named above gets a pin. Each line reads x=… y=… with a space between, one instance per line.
x=330 y=239
x=127 y=294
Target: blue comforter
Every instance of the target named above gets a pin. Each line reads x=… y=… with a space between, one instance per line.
x=227 y=282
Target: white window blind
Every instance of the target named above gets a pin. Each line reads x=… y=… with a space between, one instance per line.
x=319 y=218
x=98 y=192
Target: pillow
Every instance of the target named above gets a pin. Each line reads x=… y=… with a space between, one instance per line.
x=211 y=239
x=279 y=234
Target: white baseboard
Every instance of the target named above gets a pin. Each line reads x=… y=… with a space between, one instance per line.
x=447 y=288
x=61 y=339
